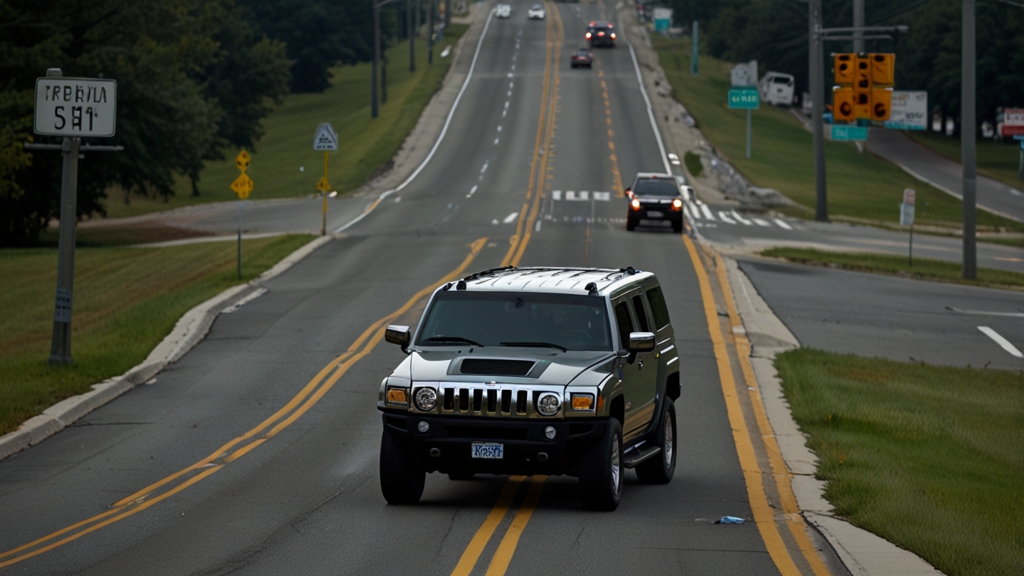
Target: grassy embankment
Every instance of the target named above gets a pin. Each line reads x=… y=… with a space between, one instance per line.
x=364 y=144
x=126 y=301
x=927 y=457
x=923 y=268
x=861 y=187
x=997 y=161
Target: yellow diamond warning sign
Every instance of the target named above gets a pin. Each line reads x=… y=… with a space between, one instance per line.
x=323 y=185
x=242 y=186
x=242 y=160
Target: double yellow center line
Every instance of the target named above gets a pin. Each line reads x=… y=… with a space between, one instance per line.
x=310 y=394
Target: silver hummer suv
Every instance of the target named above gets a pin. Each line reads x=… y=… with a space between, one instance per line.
x=534 y=371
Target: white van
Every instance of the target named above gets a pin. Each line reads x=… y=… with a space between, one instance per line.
x=777 y=88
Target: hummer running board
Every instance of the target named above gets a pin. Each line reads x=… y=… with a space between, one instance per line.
x=634 y=460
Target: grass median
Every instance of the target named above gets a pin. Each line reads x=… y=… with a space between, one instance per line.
x=126 y=301
x=923 y=268
x=284 y=164
x=861 y=187
x=926 y=457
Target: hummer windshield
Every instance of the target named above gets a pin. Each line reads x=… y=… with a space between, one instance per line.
x=656 y=187
x=558 y=321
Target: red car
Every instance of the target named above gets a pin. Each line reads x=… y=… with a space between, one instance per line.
x=582 y=57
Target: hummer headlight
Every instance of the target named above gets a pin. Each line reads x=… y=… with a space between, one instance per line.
x=548 y=404
x=425 y=399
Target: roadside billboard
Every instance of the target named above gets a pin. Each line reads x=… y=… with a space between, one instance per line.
x=909 y=111
x=1013 y=122
x=662 y=19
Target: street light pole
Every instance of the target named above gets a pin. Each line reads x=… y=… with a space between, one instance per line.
x=430 y=31
x=412 y=37
x=967 y=139
x=816 y=74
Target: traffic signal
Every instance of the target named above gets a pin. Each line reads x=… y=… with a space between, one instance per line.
x=883 y=69
x=842 y=67
x=842 y=105
x=881 y=104
x=864 y=86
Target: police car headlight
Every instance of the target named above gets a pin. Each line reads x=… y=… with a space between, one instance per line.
x=548 y=404
x=426 y=399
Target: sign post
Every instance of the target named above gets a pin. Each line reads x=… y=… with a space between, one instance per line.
x=242 y=186
x=744 y=94
x=72 y=108
x=325 y=139
x=907 y=218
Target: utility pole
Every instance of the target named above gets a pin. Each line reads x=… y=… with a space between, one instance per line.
x=693 y=55
x=430 y=31
x=967 y=139
x=858 y=22
x=816 y=74
x=374 y=111
x=412 y=36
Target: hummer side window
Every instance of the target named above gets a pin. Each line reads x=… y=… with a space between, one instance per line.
x=624 y=322
x=641 y=314
x=657 y=301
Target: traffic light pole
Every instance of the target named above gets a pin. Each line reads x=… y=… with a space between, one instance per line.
x=816 y=74
x=858 y=22
x=967 y=140
x=374 y=112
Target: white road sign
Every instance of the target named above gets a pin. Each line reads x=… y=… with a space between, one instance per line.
x=326 y=138
x=75 y=107
x=908 y=196
x=909 y=111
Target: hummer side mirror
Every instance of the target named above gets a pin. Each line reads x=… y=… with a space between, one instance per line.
x=641 y=342
x=400 y=335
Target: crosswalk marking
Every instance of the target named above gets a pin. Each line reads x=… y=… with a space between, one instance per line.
x=707 y=211
x=725 y=218
x=783 y=224
x=580 y=195
x=760 y=222
x=741 y=219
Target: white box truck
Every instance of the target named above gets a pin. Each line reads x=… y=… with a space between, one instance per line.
x=777 y=88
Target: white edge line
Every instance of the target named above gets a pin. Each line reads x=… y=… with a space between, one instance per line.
x=444 y=129
x=1001 y=341
x=650 y=110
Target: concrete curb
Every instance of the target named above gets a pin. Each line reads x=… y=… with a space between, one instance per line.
x=187 y=332
x=863 y=553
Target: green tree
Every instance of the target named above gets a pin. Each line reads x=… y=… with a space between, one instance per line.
x=319 y=34
x=181 y=97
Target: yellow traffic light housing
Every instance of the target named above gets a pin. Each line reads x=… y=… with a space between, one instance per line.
x=842 y=67
x=862 y=104
x=842 y=105
x=881 y=104
x=883 y=69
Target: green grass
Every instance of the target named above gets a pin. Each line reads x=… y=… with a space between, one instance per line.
x=126 y=301
x=926 y=457
x=922 y=268
x=693 y=164
x=861 y=187
x=365 y=145
x=997 y=161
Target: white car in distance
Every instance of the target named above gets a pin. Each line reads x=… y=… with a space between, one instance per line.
x=502 y=10
x=536 y=12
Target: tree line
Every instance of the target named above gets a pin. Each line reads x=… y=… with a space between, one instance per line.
x=195 y=80
x=775 y=33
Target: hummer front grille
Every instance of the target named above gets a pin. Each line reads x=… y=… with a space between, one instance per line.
x=491 y=400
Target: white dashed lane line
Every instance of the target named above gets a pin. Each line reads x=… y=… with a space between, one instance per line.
x=471 y=192
x=1003 y=342
x=511 y=218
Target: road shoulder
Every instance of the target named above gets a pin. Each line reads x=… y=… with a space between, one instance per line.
x=862 y=552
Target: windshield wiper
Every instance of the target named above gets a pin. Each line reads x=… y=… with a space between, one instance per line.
x=535 y=345
x=451 y=340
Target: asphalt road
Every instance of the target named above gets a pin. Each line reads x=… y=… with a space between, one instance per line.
x=897 y=318
x=945 y=174
x=214 y=491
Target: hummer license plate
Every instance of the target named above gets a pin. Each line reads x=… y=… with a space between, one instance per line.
x=654 y=214
x=488 y=450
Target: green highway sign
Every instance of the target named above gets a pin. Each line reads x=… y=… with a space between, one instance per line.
x=744 y=98
x=847 y=133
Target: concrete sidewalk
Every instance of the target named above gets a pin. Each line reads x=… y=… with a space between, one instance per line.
x=944 y=174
